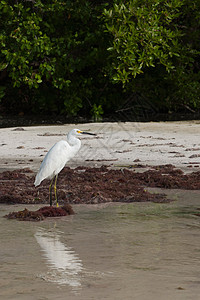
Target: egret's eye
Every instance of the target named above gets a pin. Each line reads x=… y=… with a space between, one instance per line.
x=78 y=131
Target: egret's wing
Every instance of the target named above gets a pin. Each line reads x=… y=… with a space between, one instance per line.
x=54 y=161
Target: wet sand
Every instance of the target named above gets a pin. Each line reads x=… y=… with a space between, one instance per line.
x=108 y=251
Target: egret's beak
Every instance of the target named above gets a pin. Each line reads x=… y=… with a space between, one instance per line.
x=84 y=132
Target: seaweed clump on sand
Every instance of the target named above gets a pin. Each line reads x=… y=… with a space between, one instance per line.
x=89 y=185
x=42 y=213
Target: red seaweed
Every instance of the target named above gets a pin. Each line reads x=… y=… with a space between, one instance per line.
x=86 y=185
x=41 y=214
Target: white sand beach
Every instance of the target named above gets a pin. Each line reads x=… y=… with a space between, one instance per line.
x=119 y=144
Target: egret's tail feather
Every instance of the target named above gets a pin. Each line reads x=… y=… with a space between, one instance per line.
x=37 y=181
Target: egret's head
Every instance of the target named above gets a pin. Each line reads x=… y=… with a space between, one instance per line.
x=78 y=132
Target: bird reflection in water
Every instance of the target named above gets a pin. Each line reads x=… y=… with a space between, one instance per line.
x=65 y=265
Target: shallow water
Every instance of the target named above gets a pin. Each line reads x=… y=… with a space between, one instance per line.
x=122 y=251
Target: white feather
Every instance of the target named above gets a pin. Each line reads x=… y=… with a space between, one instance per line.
x=58 y=156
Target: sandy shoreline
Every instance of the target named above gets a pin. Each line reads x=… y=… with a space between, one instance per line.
x=152 y=143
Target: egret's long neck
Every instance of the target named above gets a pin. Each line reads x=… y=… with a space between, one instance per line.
x=73 y=141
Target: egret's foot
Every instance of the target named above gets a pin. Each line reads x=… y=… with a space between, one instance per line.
x=57 y=205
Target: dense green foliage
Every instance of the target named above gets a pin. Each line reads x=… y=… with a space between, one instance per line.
x=156 y=49
x=91 y=57
x=54 y=54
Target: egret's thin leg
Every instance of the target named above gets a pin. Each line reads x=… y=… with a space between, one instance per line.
x=50 y=191
x=55 y=191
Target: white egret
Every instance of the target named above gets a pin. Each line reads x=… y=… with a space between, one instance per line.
x=57 y=157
